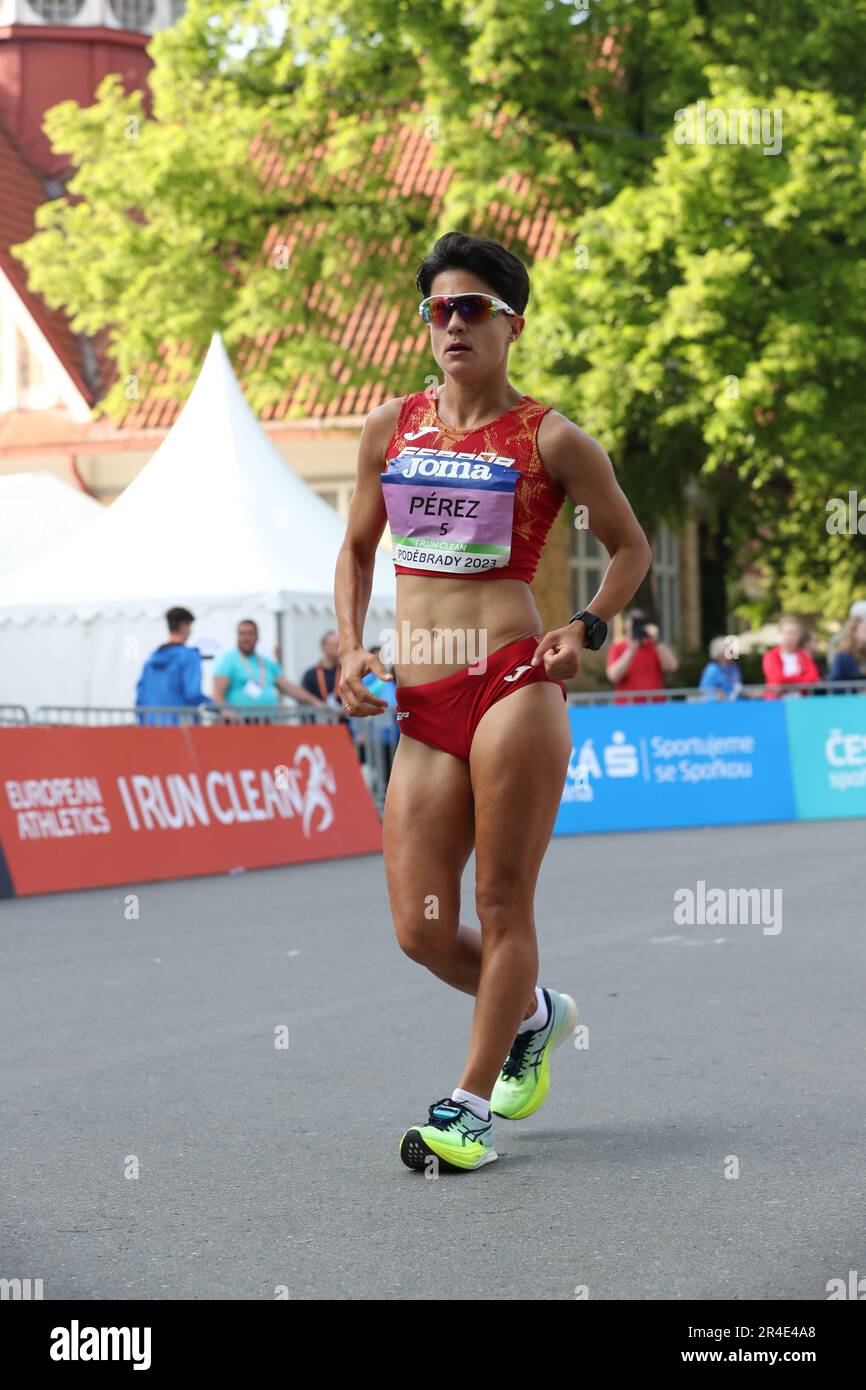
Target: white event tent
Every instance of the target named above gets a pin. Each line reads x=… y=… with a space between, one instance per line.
x=217 y=522
x=36 y=511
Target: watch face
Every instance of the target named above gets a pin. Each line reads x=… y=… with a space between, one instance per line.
x=594 y=630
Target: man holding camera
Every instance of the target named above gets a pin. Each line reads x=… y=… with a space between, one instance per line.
x=640 y=660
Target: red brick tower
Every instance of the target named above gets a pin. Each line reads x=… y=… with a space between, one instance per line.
x=56 y=50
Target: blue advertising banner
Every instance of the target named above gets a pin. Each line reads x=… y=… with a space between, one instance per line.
x=649 y=767
x=828 y=755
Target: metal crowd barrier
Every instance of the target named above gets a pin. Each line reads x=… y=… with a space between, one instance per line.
x=693 y=694
x=375 y=738
x=97 y=716
x=13 y=714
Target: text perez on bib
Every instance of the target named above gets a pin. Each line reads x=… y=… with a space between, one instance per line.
x=450 y=510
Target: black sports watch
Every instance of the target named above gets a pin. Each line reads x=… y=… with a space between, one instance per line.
x=595 y=629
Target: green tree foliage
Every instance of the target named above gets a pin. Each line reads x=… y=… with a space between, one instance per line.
x=265 y=197
x=710 y=327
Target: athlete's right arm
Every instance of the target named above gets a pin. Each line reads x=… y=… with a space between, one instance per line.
x=353 y=578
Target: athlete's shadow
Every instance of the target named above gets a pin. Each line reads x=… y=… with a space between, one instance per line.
x=605 y=1145
x=621 y=1145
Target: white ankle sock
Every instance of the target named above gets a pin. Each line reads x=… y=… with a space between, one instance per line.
x=477 y=1104
x=539 y=1018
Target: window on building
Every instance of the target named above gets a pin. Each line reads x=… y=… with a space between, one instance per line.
x=134 y=14
x=666 y=583
x=337 y=494
x=30 y=374
x=56 y=11
x=589 y=560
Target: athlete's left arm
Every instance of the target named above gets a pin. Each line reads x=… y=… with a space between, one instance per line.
x=582 y=468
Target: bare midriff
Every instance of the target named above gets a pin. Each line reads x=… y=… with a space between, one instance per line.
x=444 y=625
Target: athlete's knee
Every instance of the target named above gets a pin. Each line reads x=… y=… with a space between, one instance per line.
x=422 y=941
x=502 y=902
x=412 y=943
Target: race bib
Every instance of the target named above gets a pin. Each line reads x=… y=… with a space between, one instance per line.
x=450 y=512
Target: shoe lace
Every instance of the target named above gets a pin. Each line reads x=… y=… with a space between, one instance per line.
x=515 y=1062
x=444 y=1121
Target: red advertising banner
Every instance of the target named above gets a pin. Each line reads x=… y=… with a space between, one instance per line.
x=81 y=808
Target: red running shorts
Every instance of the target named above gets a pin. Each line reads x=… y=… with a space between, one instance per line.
x=446 y=713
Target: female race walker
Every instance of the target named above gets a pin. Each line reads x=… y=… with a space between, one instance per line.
x=470 y=478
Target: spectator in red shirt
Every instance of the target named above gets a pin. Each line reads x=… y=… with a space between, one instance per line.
x=788 y=664
x=640 y=660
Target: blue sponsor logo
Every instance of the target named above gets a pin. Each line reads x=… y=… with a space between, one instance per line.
x=828 y=755
x=655 y=766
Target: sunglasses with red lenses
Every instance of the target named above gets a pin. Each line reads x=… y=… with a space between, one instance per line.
x=472 y=308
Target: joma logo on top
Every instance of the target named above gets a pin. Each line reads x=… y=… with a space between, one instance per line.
x=446 y=463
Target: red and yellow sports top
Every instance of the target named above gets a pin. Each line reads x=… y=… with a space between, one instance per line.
x=476 y=503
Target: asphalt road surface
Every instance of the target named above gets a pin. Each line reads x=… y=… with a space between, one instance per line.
x=148 y=1047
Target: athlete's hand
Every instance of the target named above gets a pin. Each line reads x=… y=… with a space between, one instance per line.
x=560 y=651
x=354 y=695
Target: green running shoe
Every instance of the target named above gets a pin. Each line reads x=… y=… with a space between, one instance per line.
x=453 y=1136
x=524 y=1081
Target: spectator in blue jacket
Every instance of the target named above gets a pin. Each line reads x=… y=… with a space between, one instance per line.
x=171 y=674
x=849 y=663
x=721 y=675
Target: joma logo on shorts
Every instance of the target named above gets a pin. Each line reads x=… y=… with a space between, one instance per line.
x=518 y=672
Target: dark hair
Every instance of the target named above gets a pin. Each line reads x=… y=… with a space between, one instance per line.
x=250 y=621
x=176 y=617
x=489 y=260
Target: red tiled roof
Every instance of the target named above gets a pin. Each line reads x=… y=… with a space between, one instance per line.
x=368 y=333
x=23 y=431
x=23 y=191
